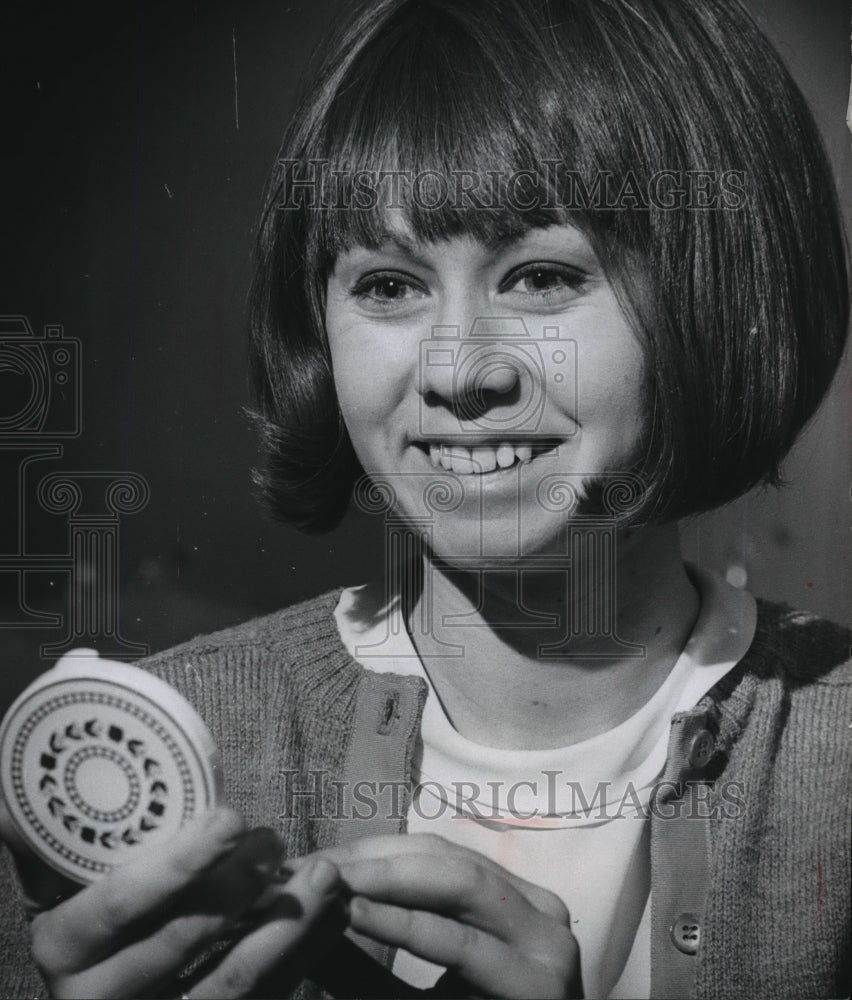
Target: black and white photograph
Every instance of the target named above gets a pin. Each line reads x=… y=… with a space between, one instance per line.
x=426 y=500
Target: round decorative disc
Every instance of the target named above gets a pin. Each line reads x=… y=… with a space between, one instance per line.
x=99 y=761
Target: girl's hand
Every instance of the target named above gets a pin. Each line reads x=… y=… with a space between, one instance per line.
x=498 y=935
x=133 y=932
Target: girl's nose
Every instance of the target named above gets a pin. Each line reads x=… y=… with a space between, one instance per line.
x=471 y=371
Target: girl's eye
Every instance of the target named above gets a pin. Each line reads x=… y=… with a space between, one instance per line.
x=387 y=290
x=546 y=284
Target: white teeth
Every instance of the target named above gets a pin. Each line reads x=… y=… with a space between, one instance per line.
x=461 y=460
x=485 y=459
x=446 y=457
x=505 y=456
x=479 y=460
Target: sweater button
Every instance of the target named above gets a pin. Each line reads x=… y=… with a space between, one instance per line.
x=701 y=749
x=686 y=933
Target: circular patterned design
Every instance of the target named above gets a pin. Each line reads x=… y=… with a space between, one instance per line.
x=157 y=769
x=100 y=698
x=134 y=786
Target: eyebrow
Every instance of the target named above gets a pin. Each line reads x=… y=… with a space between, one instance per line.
x=504 y=241
x=402 y=242
x=492 y=244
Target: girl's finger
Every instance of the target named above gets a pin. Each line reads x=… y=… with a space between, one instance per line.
x=211 y=871
x=205 y=912
x=296 y=930
x=468 y=892
x=488 y=965
x=441 y=850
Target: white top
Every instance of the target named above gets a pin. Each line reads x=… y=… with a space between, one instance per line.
x=571 y=819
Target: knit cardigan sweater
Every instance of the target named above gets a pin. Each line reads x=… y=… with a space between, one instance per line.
x=767 y=883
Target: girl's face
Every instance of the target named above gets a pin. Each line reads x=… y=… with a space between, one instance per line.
x=492 y=368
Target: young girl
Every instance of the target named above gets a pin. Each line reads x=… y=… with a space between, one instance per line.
x=553 y=275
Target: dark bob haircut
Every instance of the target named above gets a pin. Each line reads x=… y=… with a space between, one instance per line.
x=723 y=240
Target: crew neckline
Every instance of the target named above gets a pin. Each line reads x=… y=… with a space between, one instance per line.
x=706 y=648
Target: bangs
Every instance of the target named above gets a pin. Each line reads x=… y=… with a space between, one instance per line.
x=461 y=130
x=668 y=133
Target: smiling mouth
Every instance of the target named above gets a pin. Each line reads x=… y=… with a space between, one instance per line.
x=484 y=459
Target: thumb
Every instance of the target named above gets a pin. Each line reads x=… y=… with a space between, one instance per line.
x=43 y=887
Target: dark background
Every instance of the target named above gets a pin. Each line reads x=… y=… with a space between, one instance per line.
x=137 y=141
